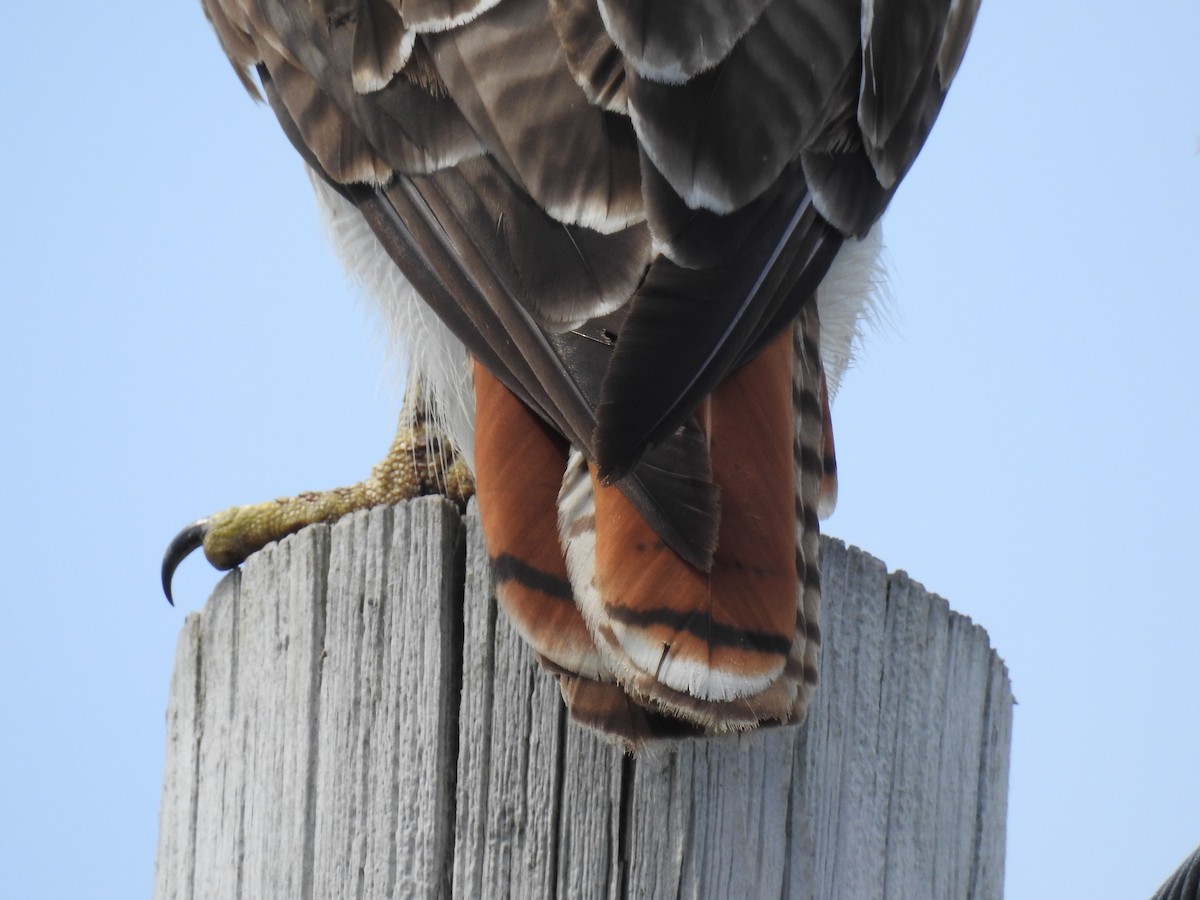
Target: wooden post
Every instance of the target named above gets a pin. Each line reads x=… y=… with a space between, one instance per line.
x=351 y=717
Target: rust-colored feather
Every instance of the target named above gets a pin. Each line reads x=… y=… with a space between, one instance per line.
x=608 y=708
x=722 y=634
x=519 y=463
x=724 y=648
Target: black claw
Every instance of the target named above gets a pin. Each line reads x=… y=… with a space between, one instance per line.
x=183 y=544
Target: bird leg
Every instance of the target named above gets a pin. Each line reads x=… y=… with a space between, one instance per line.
x=419 y=462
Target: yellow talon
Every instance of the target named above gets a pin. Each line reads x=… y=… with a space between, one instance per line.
x=419 y=462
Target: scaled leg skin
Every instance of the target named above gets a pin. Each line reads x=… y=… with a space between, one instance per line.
x=420 y=462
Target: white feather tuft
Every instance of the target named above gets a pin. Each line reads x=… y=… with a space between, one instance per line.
x=853 y=297
x=577 y=505
x=435 y=357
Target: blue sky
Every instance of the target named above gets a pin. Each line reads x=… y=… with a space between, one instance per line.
x=1021 y=439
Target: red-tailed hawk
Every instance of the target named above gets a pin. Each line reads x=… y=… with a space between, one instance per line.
x=630 y=220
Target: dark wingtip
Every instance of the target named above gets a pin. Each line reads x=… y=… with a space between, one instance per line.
x=617 y=454
x=189 y=539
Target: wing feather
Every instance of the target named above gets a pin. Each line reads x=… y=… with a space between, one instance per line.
x=911 y=51
x=382 y=45
x=442 y=15
x=578 y=162
x=563 y=275
x=673 y=42
x=594 y=60
x=723 y=137
x=686 y=330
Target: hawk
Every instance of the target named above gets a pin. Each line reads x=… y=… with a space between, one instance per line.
x=629 y=243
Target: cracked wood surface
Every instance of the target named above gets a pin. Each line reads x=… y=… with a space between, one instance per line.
x=351 y=717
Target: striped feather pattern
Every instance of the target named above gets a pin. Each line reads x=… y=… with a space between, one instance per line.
x=577 y=161
x=382 y=45
x=517 y=461
x=627 y=213
x=814 y=469
x=728 y=648
x=673 y=42
x=594 y=60
x=911 y=51
x=563 y=275
x=793 y=75
x=723 y=634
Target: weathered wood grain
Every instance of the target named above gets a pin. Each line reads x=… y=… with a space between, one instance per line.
x=351 y=717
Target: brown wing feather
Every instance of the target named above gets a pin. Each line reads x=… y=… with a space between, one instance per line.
x=577 y=161
x=382 y=45
x=342 y=151
x=438 y=15
x=675 y=41
x=723 y=137
x=593 y=58
x=911 y=50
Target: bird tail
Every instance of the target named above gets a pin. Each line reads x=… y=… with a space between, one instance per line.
x=646 y=647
